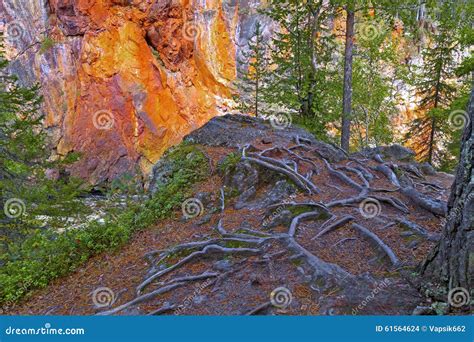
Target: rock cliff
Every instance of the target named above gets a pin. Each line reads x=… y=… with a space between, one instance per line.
x=124 y=79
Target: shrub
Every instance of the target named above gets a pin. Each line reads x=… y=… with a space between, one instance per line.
x=47 y=255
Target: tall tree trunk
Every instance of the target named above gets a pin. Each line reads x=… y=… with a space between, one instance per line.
x=431 y=142
x=433 y=120
x=451 y=263
x=347 y=96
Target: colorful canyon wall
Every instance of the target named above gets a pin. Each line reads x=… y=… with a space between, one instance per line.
x=125 y=79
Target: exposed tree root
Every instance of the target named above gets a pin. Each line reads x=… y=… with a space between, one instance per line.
x=299 y=180
x=200 y=244
x=340 y=242
x=342 y=176
x=297 y=219
x=361 y=167
x=358 y=173
x=320 y=268
x=432 y=205
x=162 y=310
x=303 y=159
x=256 y=233
x=222 y=200
x=178 y=282
x=259 y=309
x=413 y=170
x=346 y=201
x=394 y=202
x=301 y=204
x=393 y=258
x=378 y=158
x=339 y=223
x=418 y=229
x=208 y=249
x=387 y=171
x=421 y=200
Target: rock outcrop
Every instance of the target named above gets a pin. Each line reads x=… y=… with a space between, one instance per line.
x=123 y=80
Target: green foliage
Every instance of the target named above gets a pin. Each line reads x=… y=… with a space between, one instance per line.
x=47 y=44
x=303 y=79
x=376 y=67
x=451 y=130
x=46 y=255
x=437 y=85
x=40 y=201
x=308 y=56
x=228 y=164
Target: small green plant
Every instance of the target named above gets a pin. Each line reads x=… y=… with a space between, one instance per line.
x=229 y=163
x=47 y=44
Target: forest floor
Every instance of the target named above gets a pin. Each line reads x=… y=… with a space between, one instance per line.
x=274 y=247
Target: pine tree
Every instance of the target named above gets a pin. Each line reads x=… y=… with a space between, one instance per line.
x=302 y=81
x=25 y=190
x=437 y=86
x=21 y=146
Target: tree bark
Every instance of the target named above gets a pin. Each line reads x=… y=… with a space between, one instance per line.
x=451 y=263
x=347 y=96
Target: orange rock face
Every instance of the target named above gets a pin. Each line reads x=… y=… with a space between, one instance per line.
x=130 y=78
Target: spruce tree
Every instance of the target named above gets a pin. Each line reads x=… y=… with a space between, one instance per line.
x=302 y=81
x=30 y=200
x=437 y=86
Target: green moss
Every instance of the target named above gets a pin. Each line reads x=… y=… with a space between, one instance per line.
x=242 y=231
x=297 y=262
x=298 y=210
x=230 y=193
x=237 y=244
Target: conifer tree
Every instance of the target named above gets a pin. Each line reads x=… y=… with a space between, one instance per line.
x=27 y=195
x=303 y=78
x=437 y=86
